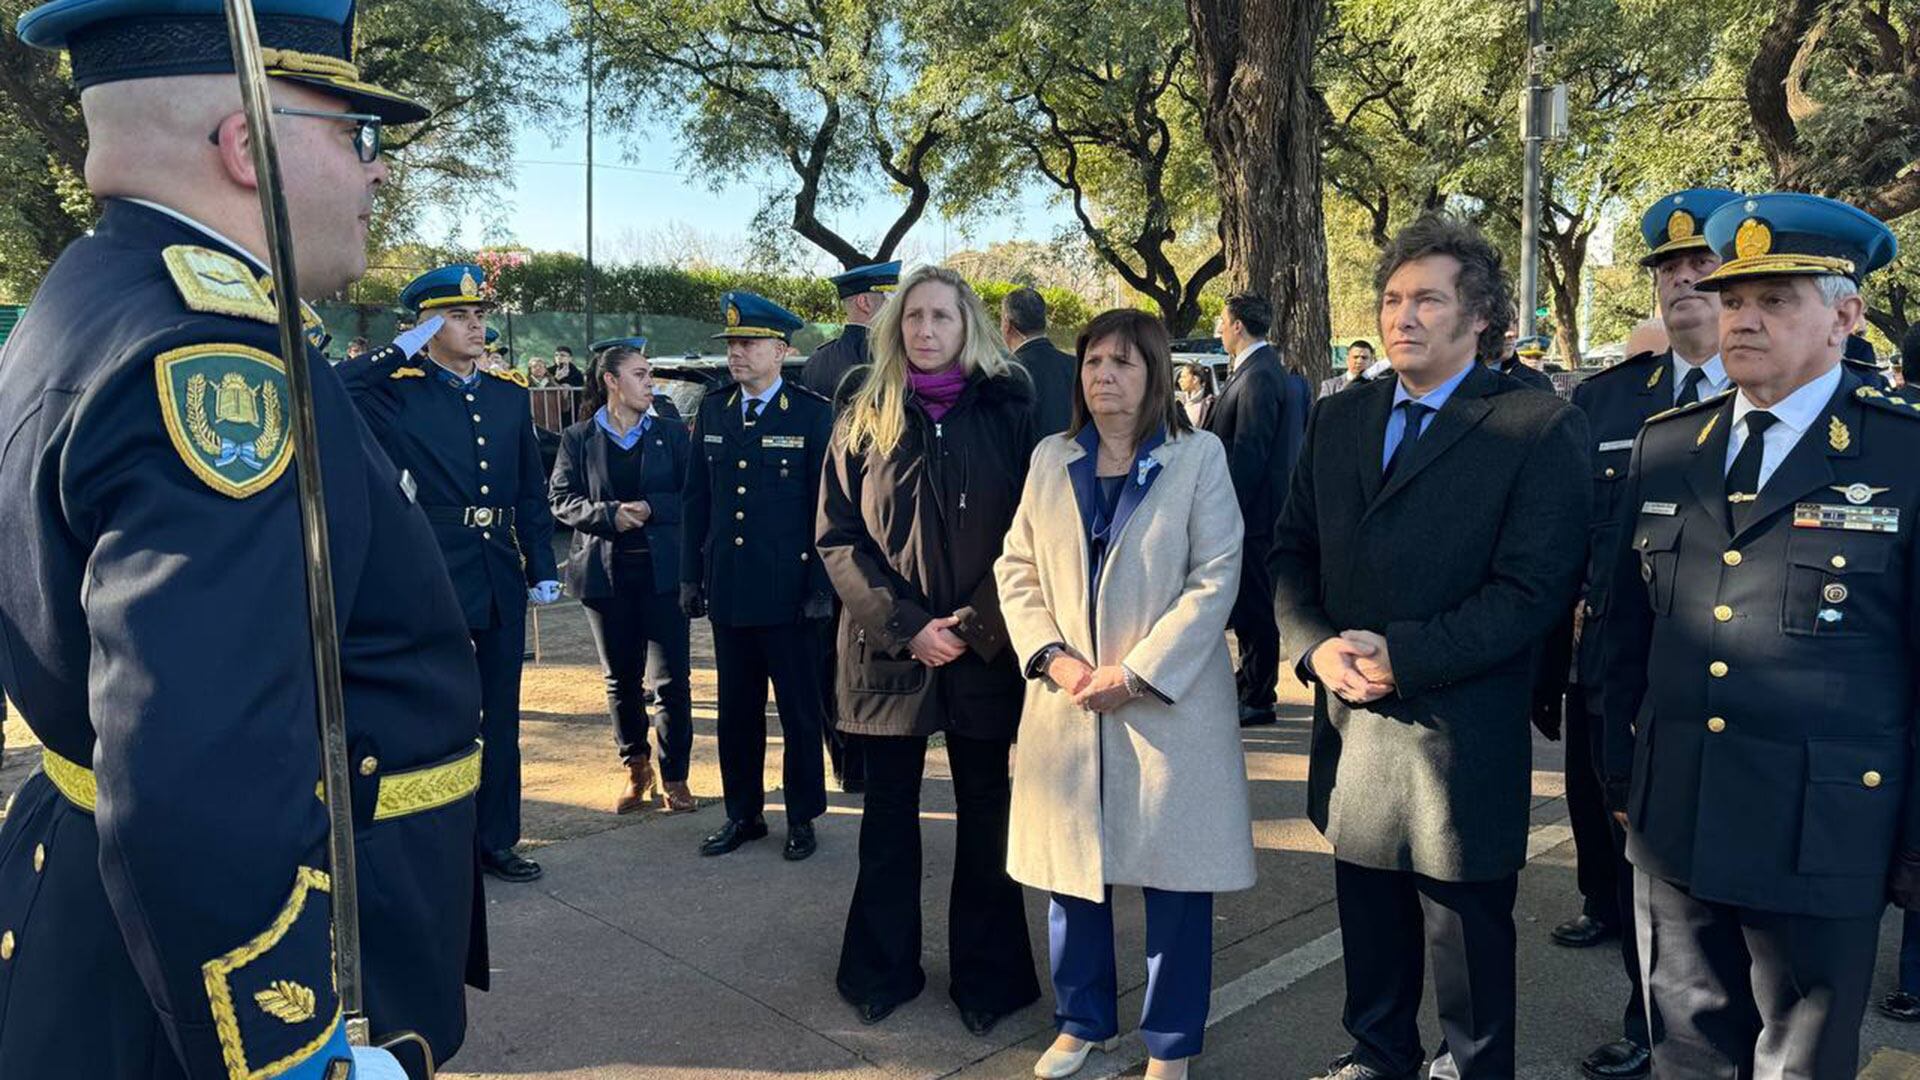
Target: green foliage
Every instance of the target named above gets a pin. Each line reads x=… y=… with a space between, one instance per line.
x=1067 y=311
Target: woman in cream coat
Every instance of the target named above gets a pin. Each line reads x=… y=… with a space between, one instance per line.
x=1116 y=581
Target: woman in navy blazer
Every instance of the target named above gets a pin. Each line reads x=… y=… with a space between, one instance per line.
x=616 y=483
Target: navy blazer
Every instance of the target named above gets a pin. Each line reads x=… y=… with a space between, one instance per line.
x=582 y=499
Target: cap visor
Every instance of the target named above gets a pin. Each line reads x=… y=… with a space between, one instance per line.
x=1696 y=242
x=747 y=332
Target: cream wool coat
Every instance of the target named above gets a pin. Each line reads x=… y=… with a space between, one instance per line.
x=1155 y=793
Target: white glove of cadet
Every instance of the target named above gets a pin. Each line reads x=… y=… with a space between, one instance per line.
x=544 y=593
x=412 y=341
x=373 y=1063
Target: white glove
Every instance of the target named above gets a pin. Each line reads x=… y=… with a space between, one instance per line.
x=412 y=341
x=373 y=1063
x=544 y=593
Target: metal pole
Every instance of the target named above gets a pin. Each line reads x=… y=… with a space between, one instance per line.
x=1535 y=135
x=590 y=32
x=257 y=102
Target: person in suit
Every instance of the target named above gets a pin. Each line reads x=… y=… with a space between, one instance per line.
x=1759 y=654
x=1433 y=536
x=1260 y=416
x=1520 y=357
x=616 y=484
x=165 y=888
x=1144 y=676
x=1616 y=402
x=1023 y=324
x=920 y=488
x=1359 y=358
x=748 y=566
x=862 y=291
x=465 y=438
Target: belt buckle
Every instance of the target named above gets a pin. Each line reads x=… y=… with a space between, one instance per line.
x=483 y=516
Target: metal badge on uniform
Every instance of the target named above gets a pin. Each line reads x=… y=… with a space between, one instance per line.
x=713 y=438
x=1859 y=494
x=1878 y=519
x=784 y=442
x=1663 y=509
x=1617 y=444
x=408 y=487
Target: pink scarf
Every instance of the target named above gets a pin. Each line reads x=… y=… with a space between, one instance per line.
x=938 y=390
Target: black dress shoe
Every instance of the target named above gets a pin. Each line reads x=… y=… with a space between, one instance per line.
x=872 y=1012
x=1251 y=717
x=509 y=865
x=1622 y=1059
x=730 y=836
x=979 y=1021
x=1582 y=932
x=800 y=842
x=1345 y=1068
x=1900 y=1006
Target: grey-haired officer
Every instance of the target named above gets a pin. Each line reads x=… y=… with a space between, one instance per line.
x=748 y=563
x=464 y=436
x=1759 y=656
x=165 y=895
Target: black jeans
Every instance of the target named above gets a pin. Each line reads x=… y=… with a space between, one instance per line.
x=642 y=636
x=988 y=948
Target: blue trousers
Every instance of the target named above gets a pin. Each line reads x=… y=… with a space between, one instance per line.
x=498 y=650
x=1179 y=970
x=1910 y=952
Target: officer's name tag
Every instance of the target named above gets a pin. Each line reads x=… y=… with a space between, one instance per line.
x=408 y=487
x=1617 y=444
x=715 y=438
x=784 y=442
x=1879 y=519
x=1660 y=508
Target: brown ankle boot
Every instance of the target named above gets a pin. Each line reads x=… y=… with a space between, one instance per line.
x=676 y=798
x=639 y=782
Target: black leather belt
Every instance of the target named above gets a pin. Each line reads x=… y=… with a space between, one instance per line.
x=476 y=517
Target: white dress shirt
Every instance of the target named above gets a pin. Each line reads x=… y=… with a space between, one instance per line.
x=1716 y=381
x=1794 y=415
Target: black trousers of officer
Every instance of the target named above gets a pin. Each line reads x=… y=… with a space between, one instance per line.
x=499 y=650
x=744 y=659
x=1736 y=993
x=1390 y=919
x=988 y=949
x=1600 y=849
x=642 y=637
x=1254 y=629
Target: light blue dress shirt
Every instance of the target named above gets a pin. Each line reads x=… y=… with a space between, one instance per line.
x=1435 y=399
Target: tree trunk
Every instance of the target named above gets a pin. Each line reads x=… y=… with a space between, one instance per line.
x=1263 y=121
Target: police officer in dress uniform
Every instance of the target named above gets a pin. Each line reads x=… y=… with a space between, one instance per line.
x=1514 y=364
x=862 y=290
x=465 y=438
x=1617 y=401
x=748 y=564
x=1763 y=631
x=164 y=888
x=662 y=404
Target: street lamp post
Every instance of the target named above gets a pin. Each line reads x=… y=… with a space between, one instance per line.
x=589 y=283
x=1533 y=137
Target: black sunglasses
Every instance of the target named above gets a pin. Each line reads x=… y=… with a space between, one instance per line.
x=367 y=140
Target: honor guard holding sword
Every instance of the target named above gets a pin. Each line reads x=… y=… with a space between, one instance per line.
x=748 y=564
x=465 y=438
x=1760 y=649
x=172 y=897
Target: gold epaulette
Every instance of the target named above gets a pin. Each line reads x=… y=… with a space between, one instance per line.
x=218 y=284
x=407 y=373
x=512 y=375
x=1892 y=403
x=1684 y=410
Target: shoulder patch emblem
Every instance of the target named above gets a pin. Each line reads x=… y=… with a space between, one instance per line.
x=512 y=375
x=216 y=283
x=225 y=410
x=1889 y=402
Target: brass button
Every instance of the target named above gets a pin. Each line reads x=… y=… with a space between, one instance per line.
x=1611 y=471
x=804 y=556
x=6 y=945
x=739 y=515
x=1716 y=725
x=1834 y=593
x=1723 y=613
x=39 y=857
x=743 y=463
x=739 y=491
x=1731 y=558
x=1718 y=669
x=369 y=765
x=1870 y=778
x=739 y=540
x=484 y=489
x=470 y=398
x=483 y=466
x=1838 y=562
x=486 y=536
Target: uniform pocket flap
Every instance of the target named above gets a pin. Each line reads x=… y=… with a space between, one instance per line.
x=1837 y=553
x=1866 y=763
x=1657 y=534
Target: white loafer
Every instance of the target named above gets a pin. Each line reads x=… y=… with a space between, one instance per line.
x=1058 y=1064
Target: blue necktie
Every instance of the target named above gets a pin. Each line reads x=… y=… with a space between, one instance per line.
x=1416 y=415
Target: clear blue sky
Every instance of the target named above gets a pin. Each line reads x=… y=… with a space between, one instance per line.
x=642 y=195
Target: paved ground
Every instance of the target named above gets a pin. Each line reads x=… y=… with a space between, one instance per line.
x=634 y=958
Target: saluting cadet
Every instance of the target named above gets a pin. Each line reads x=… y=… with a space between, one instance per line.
x=1617 y=400
x=862 y=290
x=1759 y=654
x=164 y=892
x=464 y=438
x=748 y=564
